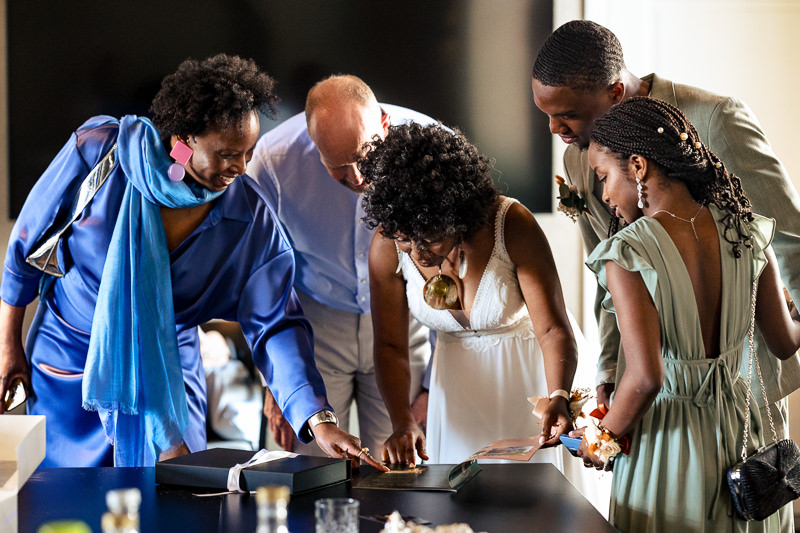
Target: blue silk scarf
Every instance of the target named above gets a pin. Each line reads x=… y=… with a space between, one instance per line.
x=133 y=375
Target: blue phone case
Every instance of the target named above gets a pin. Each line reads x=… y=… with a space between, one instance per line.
x=570 y=443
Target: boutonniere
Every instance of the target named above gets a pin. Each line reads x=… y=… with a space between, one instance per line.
x=570 y=202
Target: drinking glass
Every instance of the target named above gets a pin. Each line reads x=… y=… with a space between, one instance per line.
x=336 y=515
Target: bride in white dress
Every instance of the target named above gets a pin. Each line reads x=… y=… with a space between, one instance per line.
x=508 y=335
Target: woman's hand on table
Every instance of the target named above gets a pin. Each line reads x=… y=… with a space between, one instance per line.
x=403 y=444
x=337 y=443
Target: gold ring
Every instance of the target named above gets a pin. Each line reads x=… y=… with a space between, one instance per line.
x=364 y=451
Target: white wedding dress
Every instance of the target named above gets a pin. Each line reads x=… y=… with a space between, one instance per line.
x=484 y=368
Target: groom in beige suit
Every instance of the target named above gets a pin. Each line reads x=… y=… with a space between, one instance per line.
x=578 y=75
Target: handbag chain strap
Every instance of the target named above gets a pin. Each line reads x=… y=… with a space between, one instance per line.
x=752 y=357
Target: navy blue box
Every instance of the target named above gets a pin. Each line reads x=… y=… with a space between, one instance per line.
x=209 y=469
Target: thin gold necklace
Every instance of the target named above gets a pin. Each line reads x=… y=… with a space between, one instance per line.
x=689 y=220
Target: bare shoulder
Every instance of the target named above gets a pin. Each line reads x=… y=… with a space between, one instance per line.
x=383 y=255
x=518 y=214
x=524 y=238
x=520 y=224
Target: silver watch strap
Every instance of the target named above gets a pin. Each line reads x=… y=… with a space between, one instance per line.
x=323 y=417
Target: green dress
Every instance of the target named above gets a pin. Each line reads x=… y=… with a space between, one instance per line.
x=674 y=478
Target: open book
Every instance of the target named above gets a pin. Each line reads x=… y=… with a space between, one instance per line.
x=509 y=449
x=442 y=477
x=448 y=478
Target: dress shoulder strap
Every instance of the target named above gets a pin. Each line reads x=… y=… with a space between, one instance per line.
x=400 y=255
x=499 y=229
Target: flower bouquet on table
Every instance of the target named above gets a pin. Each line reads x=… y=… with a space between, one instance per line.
x=571 y=203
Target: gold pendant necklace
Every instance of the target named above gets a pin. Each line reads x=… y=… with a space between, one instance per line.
x=440 y=292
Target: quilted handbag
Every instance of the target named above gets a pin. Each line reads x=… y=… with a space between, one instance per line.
x=769 y=478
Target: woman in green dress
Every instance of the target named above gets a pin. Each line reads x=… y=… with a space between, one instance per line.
x=680 y=278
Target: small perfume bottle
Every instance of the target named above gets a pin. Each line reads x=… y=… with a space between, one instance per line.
x=272 y=501
x=64 y=526
x=123 y=511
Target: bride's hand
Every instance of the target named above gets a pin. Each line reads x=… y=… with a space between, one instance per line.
x=555 y=421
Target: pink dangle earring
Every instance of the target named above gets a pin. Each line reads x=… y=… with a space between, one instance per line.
x=180 y=153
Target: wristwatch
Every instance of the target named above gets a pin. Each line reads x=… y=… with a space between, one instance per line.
x=322 y=417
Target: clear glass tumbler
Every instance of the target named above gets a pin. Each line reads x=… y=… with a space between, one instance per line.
x=336 y=515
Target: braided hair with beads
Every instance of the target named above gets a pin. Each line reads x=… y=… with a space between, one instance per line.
x=663 y=135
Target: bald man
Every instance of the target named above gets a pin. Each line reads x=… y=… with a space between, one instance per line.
x=306 y=167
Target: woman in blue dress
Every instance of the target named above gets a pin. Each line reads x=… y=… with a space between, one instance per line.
x=680 y=278
x=175 y=236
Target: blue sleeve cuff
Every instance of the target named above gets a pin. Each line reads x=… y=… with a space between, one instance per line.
x=301 y=405
x=18 y=290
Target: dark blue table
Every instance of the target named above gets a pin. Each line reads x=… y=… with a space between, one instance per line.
x=501 y=499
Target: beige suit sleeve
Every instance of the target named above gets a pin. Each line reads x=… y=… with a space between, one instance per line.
x=606 y=322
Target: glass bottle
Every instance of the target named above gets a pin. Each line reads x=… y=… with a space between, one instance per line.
x=64 y=526
x=123 y=511
x=272 y=502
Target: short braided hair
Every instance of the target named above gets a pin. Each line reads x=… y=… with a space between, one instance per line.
x=218 y=92
x=581 y=55
x=426 y=182
x=663 y=135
